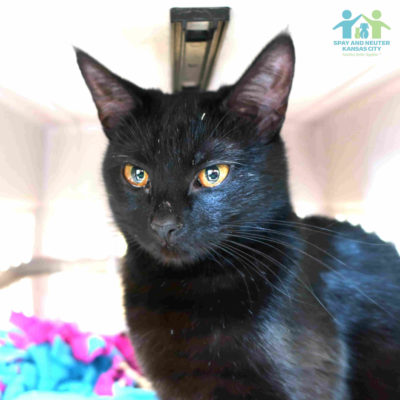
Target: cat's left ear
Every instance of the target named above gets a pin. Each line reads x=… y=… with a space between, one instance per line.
x=114 y=97
x=262 y=93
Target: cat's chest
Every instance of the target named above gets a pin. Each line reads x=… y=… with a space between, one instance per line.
x=180 y=309
x=194 y=328
x=191 y=332
x=182 y=349
x=208 y=343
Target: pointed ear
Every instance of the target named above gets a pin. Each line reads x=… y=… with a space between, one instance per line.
x=114 y=97
x=262 y=93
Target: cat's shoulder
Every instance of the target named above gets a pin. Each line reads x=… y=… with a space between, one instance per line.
x=345 y=244
x=359 y=273
x=336 y=227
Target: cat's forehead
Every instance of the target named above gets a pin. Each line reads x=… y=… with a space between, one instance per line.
x=183 y=128
x=194 y=110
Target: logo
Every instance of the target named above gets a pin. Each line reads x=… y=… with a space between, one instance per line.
x=364 y=39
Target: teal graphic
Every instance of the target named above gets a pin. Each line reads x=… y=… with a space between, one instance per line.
x=347 y=24
x=361 y=31
x=364 y=31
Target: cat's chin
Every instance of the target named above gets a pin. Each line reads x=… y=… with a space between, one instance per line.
x=172 y=256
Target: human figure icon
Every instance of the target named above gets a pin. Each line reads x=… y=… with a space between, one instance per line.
x=347 y=24
x=364 y=30
x=376 y=25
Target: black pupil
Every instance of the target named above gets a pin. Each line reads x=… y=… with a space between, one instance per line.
x=138 y=175
x=212 y=174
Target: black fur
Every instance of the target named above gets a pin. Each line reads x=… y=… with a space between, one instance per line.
x=246 y=301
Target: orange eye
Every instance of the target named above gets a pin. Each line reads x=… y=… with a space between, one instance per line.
x=214 y=175
x=136 y=176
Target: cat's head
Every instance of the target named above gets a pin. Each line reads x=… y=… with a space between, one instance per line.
x=186 y=171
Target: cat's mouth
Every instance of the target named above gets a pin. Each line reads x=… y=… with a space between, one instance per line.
x=171 y=254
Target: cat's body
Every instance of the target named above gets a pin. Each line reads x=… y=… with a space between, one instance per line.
x=331 y=332
x=228 y=294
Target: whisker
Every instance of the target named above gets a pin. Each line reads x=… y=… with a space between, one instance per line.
x=325 y=265
x=268 y=257
x=307 y=287
x=297 y=238
x=238 y=271
x=309 y=227
x=254 y=267
x=219 y=122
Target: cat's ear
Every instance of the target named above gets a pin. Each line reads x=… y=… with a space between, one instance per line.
x=262 y=93
x=114 y=97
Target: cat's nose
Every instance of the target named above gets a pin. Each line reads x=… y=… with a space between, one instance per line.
x=166 y=227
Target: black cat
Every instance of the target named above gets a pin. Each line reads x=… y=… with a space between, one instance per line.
x=228 y=294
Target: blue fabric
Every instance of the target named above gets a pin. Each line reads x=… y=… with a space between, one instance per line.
x=125 y=394
x=47 y=367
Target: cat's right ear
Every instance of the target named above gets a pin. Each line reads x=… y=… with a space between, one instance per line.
x=114 y=97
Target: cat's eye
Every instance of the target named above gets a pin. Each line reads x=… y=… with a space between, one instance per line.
x=136 y=176
x=213 y=175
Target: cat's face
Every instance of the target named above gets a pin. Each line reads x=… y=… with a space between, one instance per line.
x=186 y=171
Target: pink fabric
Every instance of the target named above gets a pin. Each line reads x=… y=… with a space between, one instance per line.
x=123 y=344
x=104 y=384
x=37 y=331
